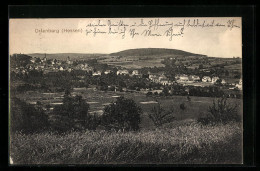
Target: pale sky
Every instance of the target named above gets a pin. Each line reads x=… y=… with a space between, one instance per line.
x=24 y=36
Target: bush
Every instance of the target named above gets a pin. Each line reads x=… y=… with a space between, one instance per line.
x=159 y=116
x=123 y=114
x=27 y=118
x=182 y=106
x=149 y=93
x=221 y=112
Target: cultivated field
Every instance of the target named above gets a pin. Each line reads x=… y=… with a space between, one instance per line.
x=197 y=107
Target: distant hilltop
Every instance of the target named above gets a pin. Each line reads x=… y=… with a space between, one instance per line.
x=64 y=56
x=140 y=52
x=153 y=52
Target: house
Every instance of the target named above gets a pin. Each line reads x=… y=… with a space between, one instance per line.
x=135 y=72
x=214 y=79
x=69 y=61
x=162 y=77
x=206 y=79
x=30 y=67
x=44 y=59
x=53 y=62
x=61 y=68
x=195 y=78
x=107 y=72
x=183 y=78
x=154 y=78
x=96 y=73
x=240 y=81
x=239 y=85
x=164 y=81
x=33 y=60
x=69 y=69
x=42 y=66
x=223 y=81
x=122 y=72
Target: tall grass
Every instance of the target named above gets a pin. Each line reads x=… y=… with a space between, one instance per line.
x=190 y=143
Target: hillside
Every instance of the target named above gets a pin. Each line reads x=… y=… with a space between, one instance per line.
x=63 y=56
x=153 y=52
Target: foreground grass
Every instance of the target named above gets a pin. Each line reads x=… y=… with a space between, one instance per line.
x=190 y=143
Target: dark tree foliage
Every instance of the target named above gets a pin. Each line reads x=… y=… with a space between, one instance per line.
x=123 y=115
x=73 y=114
x=149 y=93
x=27 y=118
x=182 y=106
x=221 y=112
x=19 y=60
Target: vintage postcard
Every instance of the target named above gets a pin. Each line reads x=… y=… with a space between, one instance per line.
x=126 y=91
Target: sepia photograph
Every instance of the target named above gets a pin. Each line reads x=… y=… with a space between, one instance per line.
x=125 y=91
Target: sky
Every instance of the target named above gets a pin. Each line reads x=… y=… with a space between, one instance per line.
x=25 y=35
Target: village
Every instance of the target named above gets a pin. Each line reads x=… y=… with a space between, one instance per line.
x=54 y=65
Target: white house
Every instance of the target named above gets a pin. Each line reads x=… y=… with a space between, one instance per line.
x=214 y=79
x=195 y=78
x=239 y=85
x=183 y=78
x=122 y=72
x=240 y=81
x=165 y=81
x=135 y=72
x=107 y=72
x=206 y=79
x=61 y=68
x=96 y=73
x=33 y=60
x=154 y=78
x=162 y=77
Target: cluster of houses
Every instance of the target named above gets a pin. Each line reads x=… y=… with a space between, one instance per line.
x=126 y=72
x=160 y=78
x=194 y=78
x=183 y=78
x=46 y=65
x=56 y=65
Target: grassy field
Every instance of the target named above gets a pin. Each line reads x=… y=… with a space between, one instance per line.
x=187 y=143
x=183 y=141
x=197 y=107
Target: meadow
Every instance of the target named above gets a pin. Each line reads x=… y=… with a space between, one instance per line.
x=189 y=143
x=197 y=107
x=182 y=141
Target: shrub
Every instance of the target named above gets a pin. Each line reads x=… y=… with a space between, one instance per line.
x=123 y=114
x=27 y=118
x=159 y=116
x=149 y=93
x=182 y=106
x=221 y=112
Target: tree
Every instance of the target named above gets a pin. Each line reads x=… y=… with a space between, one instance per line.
x=218 y=82
x=182 y=106
x=27 y=118
x=165 y=91
x=159 y=116
x=73 y=114
x=221 y=112
x=37 y=60
x=123 y=114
